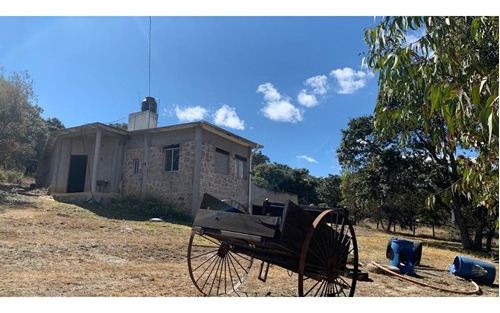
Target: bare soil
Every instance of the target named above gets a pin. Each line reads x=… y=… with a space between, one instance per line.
x=48 y=249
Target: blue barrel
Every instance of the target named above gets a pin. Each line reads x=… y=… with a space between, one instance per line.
x=477 y=270
x=417 y=250
x=403 y=256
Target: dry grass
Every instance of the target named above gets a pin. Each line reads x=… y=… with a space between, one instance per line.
x=49 y=248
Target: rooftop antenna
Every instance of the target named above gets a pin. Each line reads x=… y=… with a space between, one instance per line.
x=149 y=87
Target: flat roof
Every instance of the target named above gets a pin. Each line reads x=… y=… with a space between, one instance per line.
x=88 y=128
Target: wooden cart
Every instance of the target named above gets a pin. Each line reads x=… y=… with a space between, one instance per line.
x=316 y=243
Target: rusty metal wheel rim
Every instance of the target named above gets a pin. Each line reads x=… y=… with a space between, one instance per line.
x=330 y=279
x=214 y=267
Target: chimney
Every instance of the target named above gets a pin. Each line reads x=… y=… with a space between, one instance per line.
x=147 y=118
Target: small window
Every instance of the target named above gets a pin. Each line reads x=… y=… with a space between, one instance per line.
x=221 y=161
x=135 y=163
x=172 y=158
x=241 y=165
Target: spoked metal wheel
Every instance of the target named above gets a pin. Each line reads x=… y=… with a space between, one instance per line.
x=215 y=268
x=328 y=265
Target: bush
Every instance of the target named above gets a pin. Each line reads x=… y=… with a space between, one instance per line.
x=11 y=176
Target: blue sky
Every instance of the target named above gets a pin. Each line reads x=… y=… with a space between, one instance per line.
x=288 y=83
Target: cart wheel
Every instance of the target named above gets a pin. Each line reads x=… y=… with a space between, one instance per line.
x=215 y=268
x=328 y=265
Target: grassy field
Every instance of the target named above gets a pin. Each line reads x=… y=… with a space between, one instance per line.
x=49 y=248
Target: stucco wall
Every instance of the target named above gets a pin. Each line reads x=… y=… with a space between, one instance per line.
x=109 y=166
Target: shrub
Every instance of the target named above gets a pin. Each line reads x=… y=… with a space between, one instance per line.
x=11 y=176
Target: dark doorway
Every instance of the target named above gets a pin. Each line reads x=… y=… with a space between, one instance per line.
x=77 y=170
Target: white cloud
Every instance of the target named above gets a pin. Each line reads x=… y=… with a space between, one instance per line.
x=282 y=111
x=350 y=80
x=226 y=116
x=307 y=158
x=306 y=99
x=190 y=114
x=318 y=83
x=277 y=107
x=270 y=93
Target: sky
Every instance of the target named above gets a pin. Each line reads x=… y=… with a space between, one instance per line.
x=288 y=83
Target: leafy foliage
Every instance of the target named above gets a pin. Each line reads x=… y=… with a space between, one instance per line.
x=122 y=126
x=281 y=177
x=328 y=190
x=440 y=93
x=259 y=158
x=381 y=180
x=23 y=131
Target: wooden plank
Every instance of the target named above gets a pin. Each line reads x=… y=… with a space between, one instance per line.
x=264 y=226
x=296 y=224
x=210 y=202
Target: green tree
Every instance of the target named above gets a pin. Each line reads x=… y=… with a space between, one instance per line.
x=259 y=158
x=381 y=179
x=122 y=126
x=53 y=124
x=281 y=177
x=23 y=131
x=19 y=117
x=328 y=190
x=440 y=93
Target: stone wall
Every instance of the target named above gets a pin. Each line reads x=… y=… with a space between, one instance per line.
x=220 y=185
x=131 y=184
x=175 y=186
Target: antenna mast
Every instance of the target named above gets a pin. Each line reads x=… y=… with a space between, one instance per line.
x=149 y=81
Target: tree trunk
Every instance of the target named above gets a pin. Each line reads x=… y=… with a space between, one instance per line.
x=480 y=226
x=462 y=227
x=389 y=225
x=489 y=239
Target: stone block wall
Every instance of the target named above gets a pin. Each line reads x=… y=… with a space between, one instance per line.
x=219 y=185
x=174 y=186
x=131 y=184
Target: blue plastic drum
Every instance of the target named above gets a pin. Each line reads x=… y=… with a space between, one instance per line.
x=403 y=256
x=477 y=270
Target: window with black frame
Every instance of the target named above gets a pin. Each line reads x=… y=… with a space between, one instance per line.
x=241 y=165
x=172 y=158
x=221 y=161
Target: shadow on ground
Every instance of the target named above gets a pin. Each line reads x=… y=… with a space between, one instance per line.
x=134 y=212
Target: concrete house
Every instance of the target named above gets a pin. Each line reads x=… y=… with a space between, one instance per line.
x=177 y=163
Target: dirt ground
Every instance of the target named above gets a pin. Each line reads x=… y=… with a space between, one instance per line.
x=53 y=249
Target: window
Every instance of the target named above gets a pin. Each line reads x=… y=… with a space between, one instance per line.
x=241 y=165
x=172 y=158
x=221 y=161
x=135 y=163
